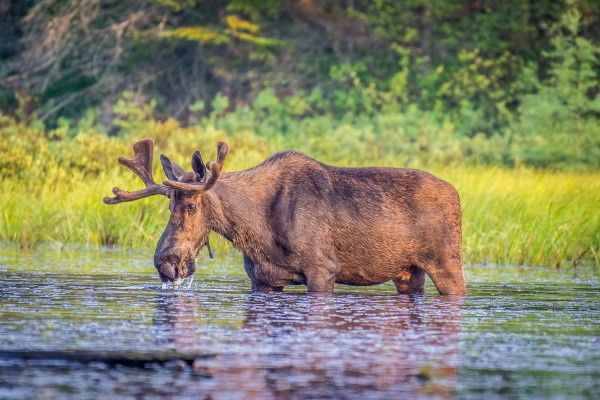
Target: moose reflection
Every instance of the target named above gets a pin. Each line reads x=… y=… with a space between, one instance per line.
x=302 y=346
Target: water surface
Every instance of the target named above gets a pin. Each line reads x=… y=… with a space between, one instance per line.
x=522 y=332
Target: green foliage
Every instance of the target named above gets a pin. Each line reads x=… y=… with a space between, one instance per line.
x=236 y=28
x=451 y=86
x=131 y=113
x=196 y=33
x=177 y=5
x=567 y=101
x=476 y=92
x=481 y=66
x=52 y=187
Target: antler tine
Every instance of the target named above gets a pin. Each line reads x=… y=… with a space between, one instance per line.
x=141 y=165
x=214 y=167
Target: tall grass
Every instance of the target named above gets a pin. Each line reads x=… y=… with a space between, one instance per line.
x=528 y=217
x=51 y=187
x=516 y=216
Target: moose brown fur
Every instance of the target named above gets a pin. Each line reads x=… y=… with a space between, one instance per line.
x=299 y=221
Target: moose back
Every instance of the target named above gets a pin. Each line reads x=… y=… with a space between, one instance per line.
x=299 y=221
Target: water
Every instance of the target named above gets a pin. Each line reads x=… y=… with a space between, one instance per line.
x=521 y=332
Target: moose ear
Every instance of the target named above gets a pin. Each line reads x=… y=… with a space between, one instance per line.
x=198 y=166
x=172 y=170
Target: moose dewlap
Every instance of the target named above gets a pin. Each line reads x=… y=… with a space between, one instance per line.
x=299 y=221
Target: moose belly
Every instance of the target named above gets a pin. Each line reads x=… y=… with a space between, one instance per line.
x=366 y=274
x=359 y=280
x=379 y=259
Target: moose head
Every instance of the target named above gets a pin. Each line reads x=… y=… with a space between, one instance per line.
x=188 y=228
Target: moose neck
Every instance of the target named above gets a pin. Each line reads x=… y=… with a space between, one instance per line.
x=233 y=210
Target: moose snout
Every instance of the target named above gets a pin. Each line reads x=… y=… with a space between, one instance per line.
x=172 y=267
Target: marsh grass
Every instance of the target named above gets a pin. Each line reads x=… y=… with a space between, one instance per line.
x=51 y=190
x=510 y=216
x=527 y=217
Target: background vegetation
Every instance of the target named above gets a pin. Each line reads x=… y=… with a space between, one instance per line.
x=499 y=98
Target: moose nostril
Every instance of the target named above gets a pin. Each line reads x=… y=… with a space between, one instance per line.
x=164 y=277
x=167 y=266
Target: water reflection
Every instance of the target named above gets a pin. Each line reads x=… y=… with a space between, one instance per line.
x=176 y=319
x=302 y=346
x=517 y=339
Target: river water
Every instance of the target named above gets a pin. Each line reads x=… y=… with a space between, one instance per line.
x=71 y=322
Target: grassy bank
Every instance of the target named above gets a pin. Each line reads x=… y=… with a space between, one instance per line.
x=510 y=216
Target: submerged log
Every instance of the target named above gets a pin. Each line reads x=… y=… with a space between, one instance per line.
x=111 y=358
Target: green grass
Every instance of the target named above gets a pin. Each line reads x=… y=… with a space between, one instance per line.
x=519 y=216
x=51 y=190
x=528 y=217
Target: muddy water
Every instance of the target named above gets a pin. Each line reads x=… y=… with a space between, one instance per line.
x=520 y=333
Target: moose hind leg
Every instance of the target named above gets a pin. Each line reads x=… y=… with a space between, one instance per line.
x=411 y=281
x=448 y=276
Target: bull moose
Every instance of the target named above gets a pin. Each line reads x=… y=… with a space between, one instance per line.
x=299 y=221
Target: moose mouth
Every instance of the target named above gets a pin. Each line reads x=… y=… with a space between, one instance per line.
x=180 y=274
x=179 y=283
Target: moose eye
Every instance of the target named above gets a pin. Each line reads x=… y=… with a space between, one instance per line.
x=191 y=207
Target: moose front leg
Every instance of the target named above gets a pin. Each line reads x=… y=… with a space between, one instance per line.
x=321 y=274
x=257 y=277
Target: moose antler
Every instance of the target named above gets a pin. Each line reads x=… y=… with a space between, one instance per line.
x=214 y=167
x=141 y=165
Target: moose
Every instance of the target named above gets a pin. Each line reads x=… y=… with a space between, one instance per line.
x=298 y=221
